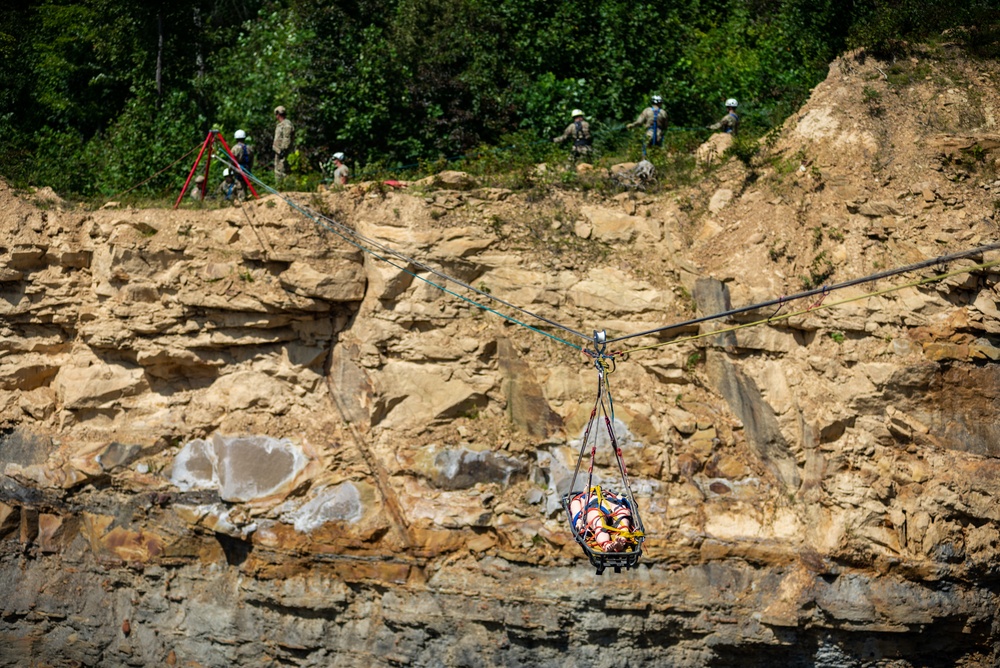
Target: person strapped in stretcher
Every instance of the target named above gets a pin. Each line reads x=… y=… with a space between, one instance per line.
x=604 y=519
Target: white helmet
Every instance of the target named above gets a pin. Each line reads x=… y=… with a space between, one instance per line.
x=338 y=156
x=576 y=112
x=239 y=134
x=226 y=172
x=731 y=102
x=657 y=99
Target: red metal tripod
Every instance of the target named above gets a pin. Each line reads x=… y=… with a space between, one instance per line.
x=213 y=136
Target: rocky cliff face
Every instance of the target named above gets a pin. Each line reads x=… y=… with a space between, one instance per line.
x=232 y=438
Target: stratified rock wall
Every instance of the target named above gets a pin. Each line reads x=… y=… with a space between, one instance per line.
x=230 y=437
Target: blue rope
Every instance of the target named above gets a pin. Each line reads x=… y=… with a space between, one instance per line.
x=365 y=249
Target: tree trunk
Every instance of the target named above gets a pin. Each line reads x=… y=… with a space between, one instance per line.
x=159 y=59
x=199 y=56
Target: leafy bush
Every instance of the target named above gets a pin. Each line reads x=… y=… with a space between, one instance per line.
x=117 y=88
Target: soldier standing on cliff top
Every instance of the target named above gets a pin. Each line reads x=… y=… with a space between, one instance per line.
x=579 y=132
x=230 y=189
x=654 y=119
x=342 y=172
x=730 y=123
x=284 y=137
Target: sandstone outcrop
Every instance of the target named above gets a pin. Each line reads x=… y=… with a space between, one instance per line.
x=230 y=437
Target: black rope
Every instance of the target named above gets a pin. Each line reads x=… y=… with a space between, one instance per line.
x=826 y=289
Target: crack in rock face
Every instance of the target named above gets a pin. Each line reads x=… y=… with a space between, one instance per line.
x=242 y=468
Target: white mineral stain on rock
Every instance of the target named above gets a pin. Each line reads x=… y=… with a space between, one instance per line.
x=242 y=468
x=557 y=467
x=341 y=502
x=464 y=468
x=194 y=467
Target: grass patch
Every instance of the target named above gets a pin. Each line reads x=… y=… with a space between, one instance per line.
x=872 y=99
x=820 y=269
x=692 y=361
x=903 y=73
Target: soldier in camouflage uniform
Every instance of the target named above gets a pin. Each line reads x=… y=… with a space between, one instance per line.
x=730 y=123
x=579 y=132
x=342 y=172
x=284 y=137
x=242 y=151
x=654 y=119
x=230 y=189
x=243 y=154
x=197 y=191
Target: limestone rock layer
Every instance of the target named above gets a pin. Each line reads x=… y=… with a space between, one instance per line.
x=232 y=437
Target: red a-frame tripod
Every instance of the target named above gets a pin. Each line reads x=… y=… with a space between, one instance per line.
x=213 y=136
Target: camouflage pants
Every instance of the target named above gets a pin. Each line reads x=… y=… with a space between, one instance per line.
x=280 y=167
x=580 y=152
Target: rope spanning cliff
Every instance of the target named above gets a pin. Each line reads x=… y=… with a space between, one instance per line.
x=813 y=307
x=939 y=261
x=366 y=244
x=596 y=529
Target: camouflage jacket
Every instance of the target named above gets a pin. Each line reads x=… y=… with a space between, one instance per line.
x=244 y=156
x=231 y=190
x=646 y=119
x=580 y=135
x=730 y=123
x=284 y=137
x=341 y=174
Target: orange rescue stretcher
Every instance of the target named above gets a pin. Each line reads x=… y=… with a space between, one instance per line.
x=604 y=525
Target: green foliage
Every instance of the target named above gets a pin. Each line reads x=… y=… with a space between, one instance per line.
x=266 y=65
x=817 y=236
x=117 y=90
x=692 y=361
x=746 y=149
x=873 y=101
x=888 y=28
x=820 y=269
x=145 y=139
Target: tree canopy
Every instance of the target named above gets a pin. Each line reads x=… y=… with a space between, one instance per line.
x=98 y=95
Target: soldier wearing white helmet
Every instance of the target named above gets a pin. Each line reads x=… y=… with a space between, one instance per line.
x=231 y=189
x=654 y=119
x=579 y=132
x=342 y=172
x=730 y=123
x=242 y=151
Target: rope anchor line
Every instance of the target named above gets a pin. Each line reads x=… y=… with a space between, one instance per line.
x=594 y=531
x=600 y=339
x=942 y=260
x=772 y=319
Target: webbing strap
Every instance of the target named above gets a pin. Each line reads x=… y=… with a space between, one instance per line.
x=604 y=404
